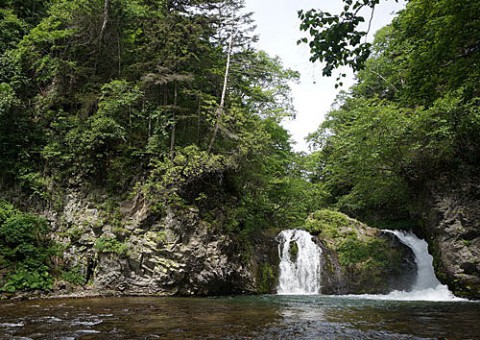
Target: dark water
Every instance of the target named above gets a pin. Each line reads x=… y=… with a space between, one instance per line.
x=263 y=317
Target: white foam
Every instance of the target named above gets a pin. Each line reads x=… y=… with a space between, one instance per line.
x=11 y=324
x=435 y=294
x=301 y=275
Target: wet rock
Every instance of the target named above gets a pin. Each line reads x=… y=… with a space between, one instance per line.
x=63 y=287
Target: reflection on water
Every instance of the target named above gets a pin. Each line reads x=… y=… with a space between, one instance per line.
x=263 y=317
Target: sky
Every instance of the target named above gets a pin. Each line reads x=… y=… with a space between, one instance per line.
x=277 y=27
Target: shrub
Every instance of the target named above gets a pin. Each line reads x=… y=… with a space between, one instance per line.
x=110 y=245
x=326 y=222
x=25 y=250
x=74 y=276
x=26 y=279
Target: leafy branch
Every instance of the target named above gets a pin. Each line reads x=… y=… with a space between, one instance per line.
x=336 y=39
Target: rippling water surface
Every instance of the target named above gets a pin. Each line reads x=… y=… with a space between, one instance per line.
x=260 y=317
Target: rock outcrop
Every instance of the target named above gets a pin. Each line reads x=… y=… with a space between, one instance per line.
x=134 y=251
x=358 y=259
x=451 y=216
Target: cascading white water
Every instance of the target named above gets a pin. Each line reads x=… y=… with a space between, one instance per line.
x=425 y=274
x=299 y=275
x=427 y=286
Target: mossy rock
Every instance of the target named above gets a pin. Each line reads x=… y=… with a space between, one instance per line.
x=357 y=258
x=267 y=278
x=330 y=224
x=293 y=250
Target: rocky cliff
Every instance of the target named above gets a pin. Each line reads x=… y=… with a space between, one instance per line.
x=450 y=212
x=123 y=247
x=131 y=250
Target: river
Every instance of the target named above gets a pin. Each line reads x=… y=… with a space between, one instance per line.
x=255 y=317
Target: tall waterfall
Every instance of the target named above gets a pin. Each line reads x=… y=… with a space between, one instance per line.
x=299 y=263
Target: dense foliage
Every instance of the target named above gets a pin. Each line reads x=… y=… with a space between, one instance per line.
x=26 y=252
x=413 y=116
x=123 y=94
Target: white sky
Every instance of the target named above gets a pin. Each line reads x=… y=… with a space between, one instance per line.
x=278 y=29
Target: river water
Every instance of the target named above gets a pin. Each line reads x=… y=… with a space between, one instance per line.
x=255 y=317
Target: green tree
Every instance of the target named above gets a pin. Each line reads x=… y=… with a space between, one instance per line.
x=125 y=95
x=362 y=147
x=336 y=39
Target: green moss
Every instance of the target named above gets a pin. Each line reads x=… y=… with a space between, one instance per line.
x=328 y=223
x=266 y=278
x=110 y=245
x=369 y=253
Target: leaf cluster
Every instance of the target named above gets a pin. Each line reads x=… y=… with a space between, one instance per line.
x=336 y=40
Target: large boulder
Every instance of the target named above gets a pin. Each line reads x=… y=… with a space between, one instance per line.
x=358 y=259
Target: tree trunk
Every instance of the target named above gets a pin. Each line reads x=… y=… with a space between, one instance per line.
x=220 y=108
x=106 y=6
x=174 y=126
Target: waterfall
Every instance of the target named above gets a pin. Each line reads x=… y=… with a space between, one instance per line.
x=427 y=286
x=425 y=274
x=299 y=263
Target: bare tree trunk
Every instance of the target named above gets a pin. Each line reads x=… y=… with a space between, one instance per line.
x=199 y=109
x=220 y=109
x=174 y=126
x=119 y=51
x=149 y=118
x=106 y=6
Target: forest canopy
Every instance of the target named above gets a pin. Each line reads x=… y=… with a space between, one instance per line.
x=169 y=100
x=163 y=99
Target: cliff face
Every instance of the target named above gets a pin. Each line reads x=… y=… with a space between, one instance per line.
x=134 y=251
x=452 y=223
x=131 y=250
